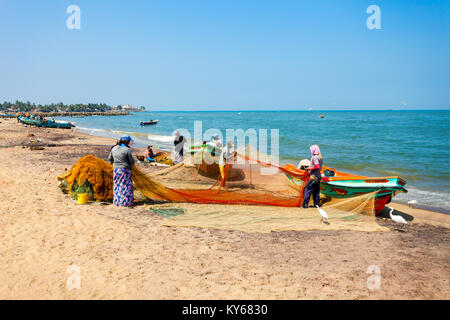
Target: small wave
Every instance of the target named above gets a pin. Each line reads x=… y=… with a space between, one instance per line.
x=426 y=197
x=159 y=138
x=92 y=129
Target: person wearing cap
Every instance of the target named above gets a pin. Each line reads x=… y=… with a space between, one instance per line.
x=313 y=185
x=122 y=161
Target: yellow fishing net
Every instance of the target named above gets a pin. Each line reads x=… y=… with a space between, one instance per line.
x=343 y=214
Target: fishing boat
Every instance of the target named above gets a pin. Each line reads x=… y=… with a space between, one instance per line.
x=146 y=123
x=206 y=158
x=7 y=115
x=29 y=121
x=204 y=148
x=57 y=124
x=336 y=184
x=47 y=123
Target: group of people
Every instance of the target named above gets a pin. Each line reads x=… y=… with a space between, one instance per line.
x=122 y=161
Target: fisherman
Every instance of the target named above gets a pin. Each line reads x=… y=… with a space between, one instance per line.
x=149 y=155
x=226 y=157
x=313 y=185
x=179 y=142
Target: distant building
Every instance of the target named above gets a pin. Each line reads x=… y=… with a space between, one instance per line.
x=127 y=107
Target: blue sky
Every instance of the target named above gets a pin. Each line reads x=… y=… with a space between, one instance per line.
x=200 y=55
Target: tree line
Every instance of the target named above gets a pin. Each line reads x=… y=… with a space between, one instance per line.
x=20 y=106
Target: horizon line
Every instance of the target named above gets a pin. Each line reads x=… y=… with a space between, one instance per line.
x=295 y=110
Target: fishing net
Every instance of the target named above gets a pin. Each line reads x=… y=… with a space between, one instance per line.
x=89 y=175
x=251 y=178
x=344 y=214
x=168 y=212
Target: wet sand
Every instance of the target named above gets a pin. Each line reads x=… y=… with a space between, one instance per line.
x=126 y=254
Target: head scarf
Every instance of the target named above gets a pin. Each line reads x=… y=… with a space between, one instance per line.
x=314 y=149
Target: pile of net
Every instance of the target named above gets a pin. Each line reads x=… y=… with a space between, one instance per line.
x=89 y=175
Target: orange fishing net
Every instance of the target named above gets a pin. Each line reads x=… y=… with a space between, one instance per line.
x=246 y=181
x=252 y=178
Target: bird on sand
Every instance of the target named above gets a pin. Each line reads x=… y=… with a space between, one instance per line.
x=324 y=215
x=412 y=203
x=396 y=218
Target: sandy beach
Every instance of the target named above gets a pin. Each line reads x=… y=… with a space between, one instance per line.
x=129 y=254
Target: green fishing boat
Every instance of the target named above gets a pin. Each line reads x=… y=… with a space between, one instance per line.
x=340 y=185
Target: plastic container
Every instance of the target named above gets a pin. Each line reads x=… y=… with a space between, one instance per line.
x=82 y=198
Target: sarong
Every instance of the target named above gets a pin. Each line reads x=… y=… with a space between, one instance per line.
x=123 y=187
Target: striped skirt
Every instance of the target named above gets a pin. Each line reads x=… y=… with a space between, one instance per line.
x=123 y=187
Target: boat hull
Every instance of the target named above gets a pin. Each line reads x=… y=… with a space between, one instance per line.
x=148 y=123
x=205 y=159
x=57 y=125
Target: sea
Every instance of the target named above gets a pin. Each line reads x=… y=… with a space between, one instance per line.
x=411 y=144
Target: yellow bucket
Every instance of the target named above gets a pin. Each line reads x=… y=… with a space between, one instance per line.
x=83 y=198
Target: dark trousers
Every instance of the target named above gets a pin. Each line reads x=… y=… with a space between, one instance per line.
x=312 y=187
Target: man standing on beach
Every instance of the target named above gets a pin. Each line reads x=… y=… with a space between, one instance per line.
x=179 y=146
x=226 y=157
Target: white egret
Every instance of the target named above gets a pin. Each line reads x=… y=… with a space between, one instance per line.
x=324 y=215
x=397 y=218
x=412 y=203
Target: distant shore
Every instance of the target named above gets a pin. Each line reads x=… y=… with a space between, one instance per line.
x=76 y=114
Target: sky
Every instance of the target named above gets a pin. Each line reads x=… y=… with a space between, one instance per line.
x=227 y=55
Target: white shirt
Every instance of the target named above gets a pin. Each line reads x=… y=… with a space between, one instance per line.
x=226 y=153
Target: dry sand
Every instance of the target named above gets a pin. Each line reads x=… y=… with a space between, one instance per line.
x=126 y=254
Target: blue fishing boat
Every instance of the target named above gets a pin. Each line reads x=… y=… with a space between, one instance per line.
x=46 y=123
x=7 y=115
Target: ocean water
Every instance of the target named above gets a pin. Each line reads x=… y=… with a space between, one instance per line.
x=411 y=144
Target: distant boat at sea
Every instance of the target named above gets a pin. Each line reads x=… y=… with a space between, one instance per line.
x=146 y=123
